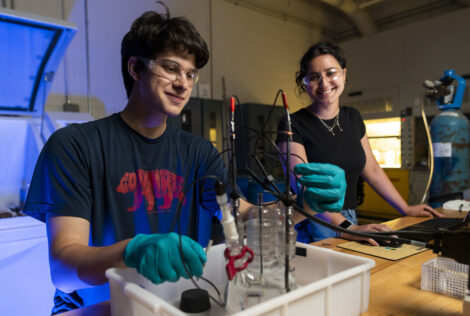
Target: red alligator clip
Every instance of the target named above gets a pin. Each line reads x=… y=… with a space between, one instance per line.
x=231 y=269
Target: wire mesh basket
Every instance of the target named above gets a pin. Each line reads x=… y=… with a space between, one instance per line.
x=444 y=276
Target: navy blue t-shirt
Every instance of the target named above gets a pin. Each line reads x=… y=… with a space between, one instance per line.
x=124 y=183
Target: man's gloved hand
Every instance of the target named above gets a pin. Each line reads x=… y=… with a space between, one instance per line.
x=157 y=256
x=325 y=186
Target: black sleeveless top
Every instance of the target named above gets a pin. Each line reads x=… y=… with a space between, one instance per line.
x=344 y=149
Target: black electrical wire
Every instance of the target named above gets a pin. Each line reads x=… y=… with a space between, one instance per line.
x=211 y=284
x=261 y=134
x=258 y=135
x=177 y=216
x=227 y=180
x=270 y=187
x=235 y=194
x=266 y=175
x=177 y=219
x=269 y=116
x=272 y=156
x=287 y=197
x=267 y=154
x=374 y=235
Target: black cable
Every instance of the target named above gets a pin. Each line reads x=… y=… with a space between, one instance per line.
x=238 y=193
x=275 y=158
x=267 y=119
x=271 y=188
x=373 y=235
x=267 y=154
x=235 y=193
x=216 y=289
x=254 y=176
x=287 y=197
x=266 y=175
x=277 y=193
x=269 y=179
x=313 y=218
x=257 y=135
x=262 y=134
x=180 y=247
x=270 y=155
x=281 y=160
x=376 y=235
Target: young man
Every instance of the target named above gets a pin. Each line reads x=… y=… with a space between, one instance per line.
x=101 y=183
x=111 y=190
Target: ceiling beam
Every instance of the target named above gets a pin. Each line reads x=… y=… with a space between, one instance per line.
x=360 y=17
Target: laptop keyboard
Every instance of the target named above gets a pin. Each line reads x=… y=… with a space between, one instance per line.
x=435 y=224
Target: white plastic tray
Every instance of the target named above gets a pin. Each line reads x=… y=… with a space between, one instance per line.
x=328 y=283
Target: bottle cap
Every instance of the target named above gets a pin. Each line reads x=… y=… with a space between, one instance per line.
x=195 y=301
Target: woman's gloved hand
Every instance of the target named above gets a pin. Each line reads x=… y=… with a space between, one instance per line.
x=325 y=186
x=157 y=256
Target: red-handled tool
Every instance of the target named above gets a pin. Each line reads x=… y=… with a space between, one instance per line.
x=230 y=267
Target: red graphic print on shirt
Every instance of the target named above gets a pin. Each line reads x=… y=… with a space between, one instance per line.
x=153 y=186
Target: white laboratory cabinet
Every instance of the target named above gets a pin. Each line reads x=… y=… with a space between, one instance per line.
x=26 y=287
x=31 y=48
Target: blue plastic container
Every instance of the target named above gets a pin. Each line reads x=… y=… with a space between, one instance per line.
x=254 y=188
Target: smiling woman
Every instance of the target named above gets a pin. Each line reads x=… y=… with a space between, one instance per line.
x=324 y=132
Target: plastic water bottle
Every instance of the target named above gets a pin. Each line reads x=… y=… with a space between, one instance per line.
x=254 y=284
x=265 y=276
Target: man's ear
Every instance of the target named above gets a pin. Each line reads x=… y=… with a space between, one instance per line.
x=131 y=67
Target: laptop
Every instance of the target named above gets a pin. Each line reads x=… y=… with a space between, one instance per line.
x=435 y=224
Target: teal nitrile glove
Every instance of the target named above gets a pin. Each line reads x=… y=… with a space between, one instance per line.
x=325 y=186
x=157 y=256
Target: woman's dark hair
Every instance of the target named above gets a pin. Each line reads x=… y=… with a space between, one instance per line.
x=152 y=33
x=318 y=49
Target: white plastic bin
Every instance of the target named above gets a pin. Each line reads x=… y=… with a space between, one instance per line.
x=329 y=283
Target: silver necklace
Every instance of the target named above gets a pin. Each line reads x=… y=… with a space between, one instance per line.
x=335 y=123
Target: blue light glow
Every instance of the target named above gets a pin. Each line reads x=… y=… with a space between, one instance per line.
x=23 y=51
x=31 y=47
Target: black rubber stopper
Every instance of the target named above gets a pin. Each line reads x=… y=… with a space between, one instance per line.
x=195 y=301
